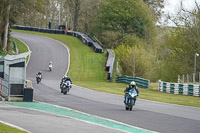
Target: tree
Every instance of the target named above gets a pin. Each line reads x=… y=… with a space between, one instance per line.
x=156 y=6
x=10 y=9
x=118 y=18
x=183 y=43
x=74 y=8
x=133 y=58
x=88 y=15
x=126 y=16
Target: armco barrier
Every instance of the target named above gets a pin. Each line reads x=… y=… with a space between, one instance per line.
x=177 y=88
x=110 y=63
x=140 y=82
x=86 y=39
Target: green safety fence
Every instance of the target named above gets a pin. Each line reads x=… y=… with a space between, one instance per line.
x=178 y=88
x=140 y=82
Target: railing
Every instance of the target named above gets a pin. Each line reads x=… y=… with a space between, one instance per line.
x=4 y=87
x=140 y=82
x=178 y=88
x=86 y=39
x=110 y=63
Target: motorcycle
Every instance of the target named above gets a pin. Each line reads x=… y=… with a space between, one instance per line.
x=130 y=99
x=50 y=67
x=66 y=87
x=38 y=78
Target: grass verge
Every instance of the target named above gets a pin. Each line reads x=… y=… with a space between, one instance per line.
x=7 y=129
x=87 y=70
x=21 y=46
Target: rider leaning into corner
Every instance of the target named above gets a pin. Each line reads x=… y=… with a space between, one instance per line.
x=39 y=73
x=132 y=85
x=64 y=79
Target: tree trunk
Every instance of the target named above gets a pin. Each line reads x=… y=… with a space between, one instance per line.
x=1 y=20
x=76 y=14
x=5 y=40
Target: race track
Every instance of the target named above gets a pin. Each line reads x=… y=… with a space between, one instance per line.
x=153 y=116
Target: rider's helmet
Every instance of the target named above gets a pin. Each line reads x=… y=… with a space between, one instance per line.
x=68 y=78
x=132 y=84
x=40 y=72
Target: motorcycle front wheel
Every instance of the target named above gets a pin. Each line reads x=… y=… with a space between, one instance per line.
x=65 y=93
x=131 y=104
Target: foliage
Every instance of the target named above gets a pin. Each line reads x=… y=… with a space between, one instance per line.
x=156 y=6
x=133 y=60
x=126 y=16
x=182 y=43
x=10 y=11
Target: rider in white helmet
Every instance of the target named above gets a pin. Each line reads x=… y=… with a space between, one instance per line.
x=132 y=85
x=64 y=79
x=50 y=65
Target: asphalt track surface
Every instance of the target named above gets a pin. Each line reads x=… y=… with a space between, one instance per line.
x=154 y=116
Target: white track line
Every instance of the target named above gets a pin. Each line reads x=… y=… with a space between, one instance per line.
x=14 y=126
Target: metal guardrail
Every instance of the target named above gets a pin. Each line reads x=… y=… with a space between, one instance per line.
x=110 y=63
x=86 y=39
x=177 y=88
x=140 y=82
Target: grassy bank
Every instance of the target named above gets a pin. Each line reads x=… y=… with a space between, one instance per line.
x=7 y=129
x=87 y=70
x=21 y=46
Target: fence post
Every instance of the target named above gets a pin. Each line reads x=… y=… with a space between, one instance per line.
x=183 y=80
x=199 y=77
x=187 y=78
x=179 y=79
x=193 y=78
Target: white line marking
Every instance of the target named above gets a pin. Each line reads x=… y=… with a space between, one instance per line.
x=14 y=126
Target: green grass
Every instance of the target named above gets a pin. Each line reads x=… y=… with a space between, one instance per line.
x=21 y=46
x=87 y=70
x=7 y=129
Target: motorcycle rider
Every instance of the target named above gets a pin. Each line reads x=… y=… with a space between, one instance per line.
x=132 y=85
x=64 y=79
x=39 y=73
x=50 y=65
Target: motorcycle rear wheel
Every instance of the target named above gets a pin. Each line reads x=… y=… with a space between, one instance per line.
x=38 y=80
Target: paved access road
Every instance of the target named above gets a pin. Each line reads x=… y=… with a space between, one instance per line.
x=166 y=118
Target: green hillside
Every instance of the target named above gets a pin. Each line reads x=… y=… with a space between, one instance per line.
x=87 y=70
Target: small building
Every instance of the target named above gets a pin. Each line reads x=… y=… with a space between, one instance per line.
x=13 y=75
